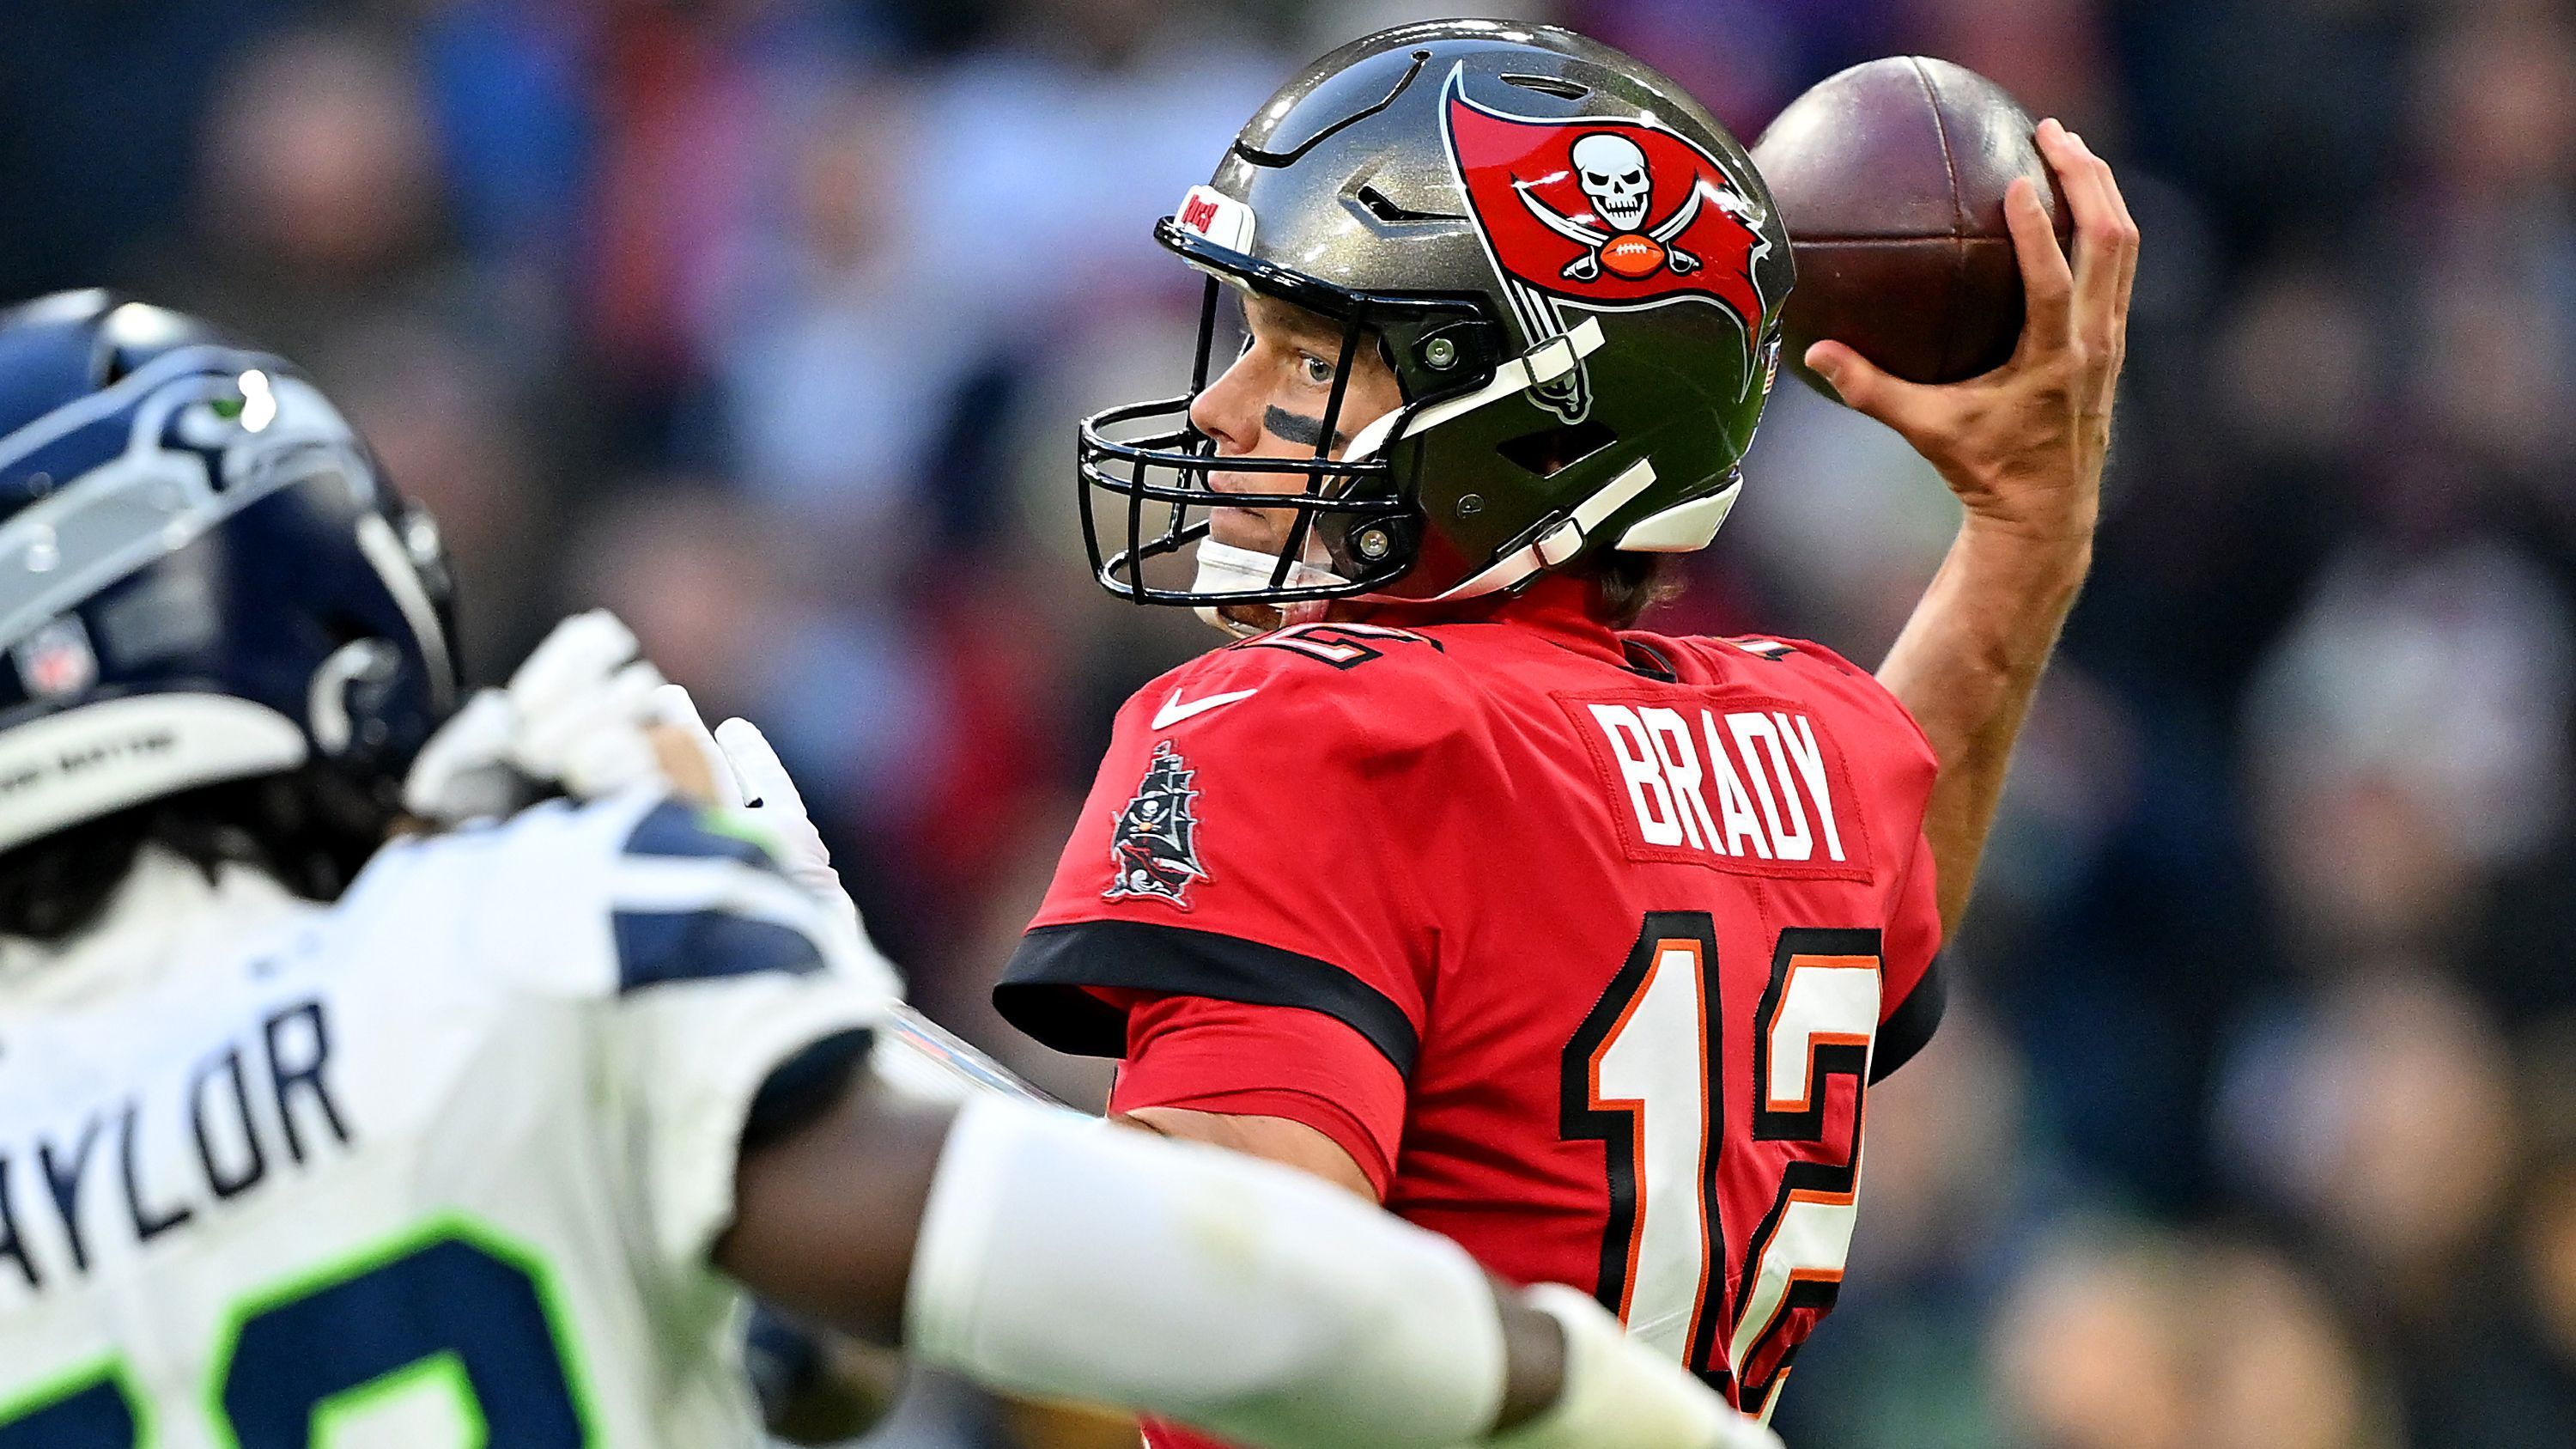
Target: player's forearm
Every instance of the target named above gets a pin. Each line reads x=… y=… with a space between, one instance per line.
x=1069 y=1261
x=1967 y=666
x=1272 y=1139
x=1061 y=1259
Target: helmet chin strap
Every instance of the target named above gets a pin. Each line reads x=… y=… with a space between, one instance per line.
x=1225 y=569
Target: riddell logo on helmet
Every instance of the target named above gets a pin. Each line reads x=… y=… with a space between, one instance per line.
x=1606 y=212
x=1218 y=217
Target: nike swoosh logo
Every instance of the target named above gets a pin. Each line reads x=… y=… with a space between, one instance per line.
x=1173 y=711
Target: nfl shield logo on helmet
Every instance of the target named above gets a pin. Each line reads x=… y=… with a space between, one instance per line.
x=56 y=662
x=1153 y=849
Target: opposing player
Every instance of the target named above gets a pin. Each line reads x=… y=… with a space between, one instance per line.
x=476 y=1137
x=1580 y=944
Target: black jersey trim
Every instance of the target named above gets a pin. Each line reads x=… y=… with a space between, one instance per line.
x=1908 y=1029
x=1041 y=990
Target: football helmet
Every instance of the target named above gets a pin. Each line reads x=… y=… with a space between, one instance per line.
x=203 y=574
x=1573 y=270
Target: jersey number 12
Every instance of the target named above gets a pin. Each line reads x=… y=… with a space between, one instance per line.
x=1646 y=1076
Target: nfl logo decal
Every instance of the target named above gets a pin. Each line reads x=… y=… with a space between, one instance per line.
x=1153 y=850
x=56 y=662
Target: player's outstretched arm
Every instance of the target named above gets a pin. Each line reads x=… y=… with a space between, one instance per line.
x=2023 y=448
x=1049 y=1255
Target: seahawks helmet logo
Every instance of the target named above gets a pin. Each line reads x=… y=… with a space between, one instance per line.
x=1153 y=851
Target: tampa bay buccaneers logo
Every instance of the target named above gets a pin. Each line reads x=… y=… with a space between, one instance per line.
x=1605 y=213
x=1153 y=849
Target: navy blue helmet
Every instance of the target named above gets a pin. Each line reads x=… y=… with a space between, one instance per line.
x=203 y=574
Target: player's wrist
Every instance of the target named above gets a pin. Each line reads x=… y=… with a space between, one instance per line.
x=1618 y=1391
x=2018 y=491
x=2036 y=544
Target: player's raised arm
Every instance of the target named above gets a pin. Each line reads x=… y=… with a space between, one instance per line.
x=2023 y=448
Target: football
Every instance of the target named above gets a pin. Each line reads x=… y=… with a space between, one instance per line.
x=1891 y=179
x=1632 y=256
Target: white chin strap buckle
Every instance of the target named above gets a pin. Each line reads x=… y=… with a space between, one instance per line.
x=1225 y=569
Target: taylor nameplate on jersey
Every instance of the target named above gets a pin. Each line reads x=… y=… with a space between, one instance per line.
x=257 y=1111
x=1741 y=783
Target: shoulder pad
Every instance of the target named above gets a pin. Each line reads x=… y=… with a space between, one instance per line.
x=615 y=896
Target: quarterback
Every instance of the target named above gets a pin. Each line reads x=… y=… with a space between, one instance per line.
x=478 y=1136
x=1580 y=944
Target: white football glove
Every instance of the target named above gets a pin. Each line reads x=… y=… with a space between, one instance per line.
x=749 y=780
x=576 y=715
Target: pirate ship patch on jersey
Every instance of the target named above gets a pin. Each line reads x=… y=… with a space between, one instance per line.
x=1153 y=849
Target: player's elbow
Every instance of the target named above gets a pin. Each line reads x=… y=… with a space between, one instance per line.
x=1272 y=1139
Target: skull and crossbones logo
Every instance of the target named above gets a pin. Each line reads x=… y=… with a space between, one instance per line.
x=1614 y=175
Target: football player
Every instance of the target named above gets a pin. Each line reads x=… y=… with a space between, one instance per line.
x=1580 y=944
x=479 y=1135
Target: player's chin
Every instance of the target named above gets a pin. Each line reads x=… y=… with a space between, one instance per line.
x=1257 y=530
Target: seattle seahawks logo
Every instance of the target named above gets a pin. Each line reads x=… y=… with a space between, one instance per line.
x=1153 y=850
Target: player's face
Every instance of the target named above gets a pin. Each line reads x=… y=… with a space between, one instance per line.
x=1270 y=404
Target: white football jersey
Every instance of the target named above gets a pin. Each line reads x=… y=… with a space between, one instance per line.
x=437 y=1165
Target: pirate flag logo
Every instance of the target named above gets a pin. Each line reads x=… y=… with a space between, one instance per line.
x=1153 y=849
x=1604 y=213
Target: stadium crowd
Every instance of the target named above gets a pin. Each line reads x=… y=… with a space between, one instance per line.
x=765 y=323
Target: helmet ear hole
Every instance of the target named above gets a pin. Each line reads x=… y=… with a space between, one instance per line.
x=347 y=693
x=1551 y=451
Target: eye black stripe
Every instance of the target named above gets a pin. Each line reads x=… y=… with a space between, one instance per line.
x=1298 y=428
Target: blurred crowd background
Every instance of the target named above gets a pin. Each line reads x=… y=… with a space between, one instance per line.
x=765 y=323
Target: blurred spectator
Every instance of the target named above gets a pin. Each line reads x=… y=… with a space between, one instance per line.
x=1953 y=1186
x=2380 y=1113
x=2506 y=1377
x=318 y=208
x=852 y=333
x=2274 y=1365
x=2408 y=739
x=2093 y=1347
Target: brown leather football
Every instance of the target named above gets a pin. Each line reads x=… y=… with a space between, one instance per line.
x=1891 y=177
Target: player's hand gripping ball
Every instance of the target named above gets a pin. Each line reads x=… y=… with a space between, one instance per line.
x=1891 y=177
x=2022 y=446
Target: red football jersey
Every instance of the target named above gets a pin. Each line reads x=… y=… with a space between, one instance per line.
x=1586 y=945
